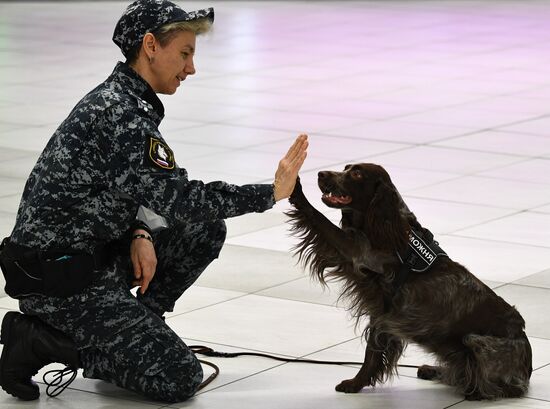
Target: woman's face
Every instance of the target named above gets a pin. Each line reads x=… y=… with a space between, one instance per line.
x=173 y=63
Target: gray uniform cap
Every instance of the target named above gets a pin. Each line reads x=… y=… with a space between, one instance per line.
x=144 y=16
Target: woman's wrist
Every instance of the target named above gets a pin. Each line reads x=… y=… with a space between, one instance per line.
x=277 y=190
x=141 y=234
x=140 y=225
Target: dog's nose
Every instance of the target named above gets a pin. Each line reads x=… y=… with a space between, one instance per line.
x=322 y=174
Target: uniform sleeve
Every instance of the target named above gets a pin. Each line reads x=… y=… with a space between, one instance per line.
x=140 y=164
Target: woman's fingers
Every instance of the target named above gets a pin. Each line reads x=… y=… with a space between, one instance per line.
x=285 y=176
x=148 y=266
x=144 y=261
x=296 y=147
x=145 y=281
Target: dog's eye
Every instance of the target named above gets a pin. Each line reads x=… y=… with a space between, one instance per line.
x=356 y=174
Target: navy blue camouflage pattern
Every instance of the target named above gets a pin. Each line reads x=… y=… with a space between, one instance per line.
x=97 y=169
x=144 y=16
x=123 y=340
x=104 y=161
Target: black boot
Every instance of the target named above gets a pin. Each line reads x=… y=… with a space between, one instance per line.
x=29 y=345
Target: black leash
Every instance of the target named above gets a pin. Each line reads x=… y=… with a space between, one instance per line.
x=58 y=384
x=207 y=351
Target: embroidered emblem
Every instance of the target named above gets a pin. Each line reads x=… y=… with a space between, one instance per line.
x=160 y=154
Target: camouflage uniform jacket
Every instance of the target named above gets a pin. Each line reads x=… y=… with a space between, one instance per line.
x=107 y=158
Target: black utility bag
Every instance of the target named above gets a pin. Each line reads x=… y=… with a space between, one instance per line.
x=53 y=273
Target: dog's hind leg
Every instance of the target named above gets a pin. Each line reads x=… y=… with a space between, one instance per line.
x=429 y=372
x=502 y=366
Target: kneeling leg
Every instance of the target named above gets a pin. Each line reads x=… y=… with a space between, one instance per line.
x=147 y=358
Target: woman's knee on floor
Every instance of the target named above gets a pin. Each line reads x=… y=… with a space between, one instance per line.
x=176 y=382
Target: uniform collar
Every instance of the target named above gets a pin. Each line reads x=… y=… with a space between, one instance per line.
x=131 y=79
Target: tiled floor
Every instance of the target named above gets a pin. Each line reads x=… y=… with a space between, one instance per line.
x=451 y=96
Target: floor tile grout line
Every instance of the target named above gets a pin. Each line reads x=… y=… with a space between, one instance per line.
x=500 y=241
x=525 y=157
x=399 y=118
x=248 y=294
x=118 y=398
x=175 y=315
x=507 y=179
x=537 y=399
x=454 y=404
x=539 y=287
x=279 y=365
x=239 y=347
x=541 y=367
x=255 y=292
x=243 y=378
x=487 y=221
x=413 y=194
x=410 y=194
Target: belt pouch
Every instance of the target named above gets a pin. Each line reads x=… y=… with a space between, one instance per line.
x=29 y=272
x=23 y=275
x=67 y=275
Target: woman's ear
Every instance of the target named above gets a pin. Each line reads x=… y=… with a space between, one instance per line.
x=385 y=226
x=149 y=46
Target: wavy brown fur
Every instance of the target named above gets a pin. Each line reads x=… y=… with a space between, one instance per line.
x=476 y=336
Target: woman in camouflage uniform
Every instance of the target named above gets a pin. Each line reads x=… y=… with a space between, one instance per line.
x=77 y=248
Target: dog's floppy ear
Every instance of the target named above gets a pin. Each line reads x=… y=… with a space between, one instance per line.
x=384 y=224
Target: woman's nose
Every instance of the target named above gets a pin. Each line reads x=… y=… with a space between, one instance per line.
x=190 y=67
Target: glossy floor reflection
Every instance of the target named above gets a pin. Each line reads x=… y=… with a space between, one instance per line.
x=452 y=97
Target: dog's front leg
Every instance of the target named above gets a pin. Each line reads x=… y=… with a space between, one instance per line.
x=381 y=356
x=319 y=231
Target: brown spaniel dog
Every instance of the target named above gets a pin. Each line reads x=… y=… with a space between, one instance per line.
x=396 y=274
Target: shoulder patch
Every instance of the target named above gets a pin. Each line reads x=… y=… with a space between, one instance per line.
x=160 y=154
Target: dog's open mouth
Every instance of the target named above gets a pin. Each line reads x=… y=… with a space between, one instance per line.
x=332 y=199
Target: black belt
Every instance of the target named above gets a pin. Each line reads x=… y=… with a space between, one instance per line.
x=97 y=259
x=57 y=273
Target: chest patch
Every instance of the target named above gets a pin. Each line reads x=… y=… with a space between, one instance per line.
x=160 y=154
x=421 y=252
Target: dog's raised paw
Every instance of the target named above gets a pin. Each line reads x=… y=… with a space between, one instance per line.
x=297 y=194
x=349 y=386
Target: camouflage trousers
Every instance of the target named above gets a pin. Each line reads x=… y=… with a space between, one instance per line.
x=123 y=339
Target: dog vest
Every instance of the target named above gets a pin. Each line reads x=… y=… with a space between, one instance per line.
x=421 y=253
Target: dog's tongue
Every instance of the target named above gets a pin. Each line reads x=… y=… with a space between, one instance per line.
x=337 y=199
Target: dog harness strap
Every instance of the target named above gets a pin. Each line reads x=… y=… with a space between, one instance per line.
x=421 y=253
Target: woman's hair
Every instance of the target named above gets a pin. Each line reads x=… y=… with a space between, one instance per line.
x=166 y=33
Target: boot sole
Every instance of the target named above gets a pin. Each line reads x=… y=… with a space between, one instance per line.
x=4 y=336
